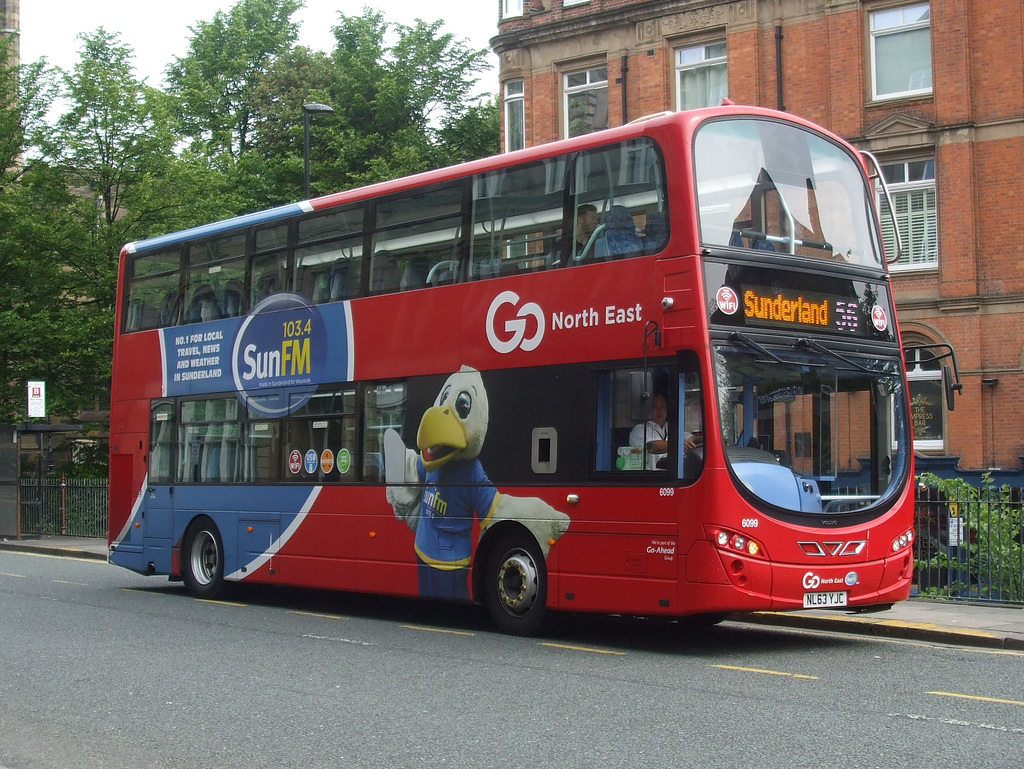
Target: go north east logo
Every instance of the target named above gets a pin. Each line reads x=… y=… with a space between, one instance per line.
x=281 y=344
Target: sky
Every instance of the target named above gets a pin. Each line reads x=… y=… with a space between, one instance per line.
x=160 y=31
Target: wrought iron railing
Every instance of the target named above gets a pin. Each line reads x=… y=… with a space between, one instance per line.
x=970 y=542
x=75 y=507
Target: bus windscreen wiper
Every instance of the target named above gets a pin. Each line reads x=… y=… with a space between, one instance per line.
x=736 y=336
x=804 y=343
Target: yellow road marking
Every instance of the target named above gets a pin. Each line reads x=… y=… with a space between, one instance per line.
x=314 y=614
x=57 y=555
x=222 y=603
x=766 y=672
x=582 y=648
x=438 y=630
x=976 y=697
x=6 y=574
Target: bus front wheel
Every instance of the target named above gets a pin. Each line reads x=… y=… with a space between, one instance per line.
x=202 y=559
x=516 y=584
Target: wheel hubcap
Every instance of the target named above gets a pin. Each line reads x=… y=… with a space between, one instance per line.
x=518 y=583
x=205 y=558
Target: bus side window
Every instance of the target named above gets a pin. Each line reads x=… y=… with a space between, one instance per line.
x=417 y=238
x=384 y=406
x=329 y=256
x=161 y=441
x=154 y=297
x=517 y=219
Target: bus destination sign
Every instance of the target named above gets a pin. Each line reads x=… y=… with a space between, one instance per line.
x=846 y=308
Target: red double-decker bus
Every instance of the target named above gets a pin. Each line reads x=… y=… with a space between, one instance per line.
x=653 y=370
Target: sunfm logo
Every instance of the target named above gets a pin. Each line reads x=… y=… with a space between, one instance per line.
x=513 y=332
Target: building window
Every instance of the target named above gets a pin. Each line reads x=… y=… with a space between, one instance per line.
x=701 y=76
x=586 y=101
x=912 y=188
x=511 y=8
x=569 y=3
x=924 y=376
x=901 y=52
x=515 y=116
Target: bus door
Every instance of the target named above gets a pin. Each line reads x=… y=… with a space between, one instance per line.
x=156 y=511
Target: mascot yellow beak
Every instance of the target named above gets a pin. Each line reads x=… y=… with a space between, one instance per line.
x=441 y=437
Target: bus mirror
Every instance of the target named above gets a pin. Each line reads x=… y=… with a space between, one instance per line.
x=951 y=387
x=641 y=401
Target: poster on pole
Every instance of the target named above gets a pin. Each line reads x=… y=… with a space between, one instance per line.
x=36 y=399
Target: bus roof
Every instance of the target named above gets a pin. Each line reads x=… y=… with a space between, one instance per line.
x=686 y=122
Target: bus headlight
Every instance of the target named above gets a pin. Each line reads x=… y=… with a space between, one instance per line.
x=735 y=542
x=903 y=540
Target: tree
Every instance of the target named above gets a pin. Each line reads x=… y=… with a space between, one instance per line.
x=218 y=78
x=104 y=175
x=398 y=107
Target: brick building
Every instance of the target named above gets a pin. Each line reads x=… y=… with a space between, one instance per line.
x=934 y=89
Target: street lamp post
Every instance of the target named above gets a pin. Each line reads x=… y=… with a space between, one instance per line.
x=307 y=109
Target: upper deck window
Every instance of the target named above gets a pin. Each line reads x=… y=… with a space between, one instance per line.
x=779 y=188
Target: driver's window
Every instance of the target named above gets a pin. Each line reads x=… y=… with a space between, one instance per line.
x=636 y=425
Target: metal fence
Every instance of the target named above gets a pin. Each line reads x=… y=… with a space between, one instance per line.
x=970 y=543
x=72 y=507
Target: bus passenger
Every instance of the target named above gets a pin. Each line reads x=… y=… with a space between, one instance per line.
x=586 y=223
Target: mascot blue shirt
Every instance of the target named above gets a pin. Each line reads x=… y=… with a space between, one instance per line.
x=452 y=495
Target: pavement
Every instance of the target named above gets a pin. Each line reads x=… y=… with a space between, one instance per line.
x=991 y=626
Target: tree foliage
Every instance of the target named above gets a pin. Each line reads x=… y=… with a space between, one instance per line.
x=124 y=161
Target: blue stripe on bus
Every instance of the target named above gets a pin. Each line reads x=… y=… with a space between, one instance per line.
x=271 y=515
x=216 y=228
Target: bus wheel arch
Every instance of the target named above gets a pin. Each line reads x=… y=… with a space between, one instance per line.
x=202 y=558
x=511 y=579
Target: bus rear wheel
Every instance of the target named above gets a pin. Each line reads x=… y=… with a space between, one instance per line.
x=202 y=559
x=516 y=584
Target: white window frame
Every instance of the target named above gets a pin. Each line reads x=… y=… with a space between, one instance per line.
x=905 y=195
x=511 y=8
x=701 y=57
x=570 y=3
x=591 y=84
x=515 y=109
x=890 y=22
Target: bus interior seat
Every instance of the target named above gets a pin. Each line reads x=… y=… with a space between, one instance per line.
x=265 y=286
x=384 y=275
x=338 y=282
x=231 y=304
x=415 y=274
x=655 y=232
x=170 y=308
x=620 y=236
x=203 y=305
x=136 y=313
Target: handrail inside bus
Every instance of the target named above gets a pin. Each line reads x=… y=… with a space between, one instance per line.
x=598 y=231
x=877 y=174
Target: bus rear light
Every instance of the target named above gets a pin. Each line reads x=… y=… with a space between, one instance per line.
x=903 y=540
x=732 y=541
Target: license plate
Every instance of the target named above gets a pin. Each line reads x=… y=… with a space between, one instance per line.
x=824 y=600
